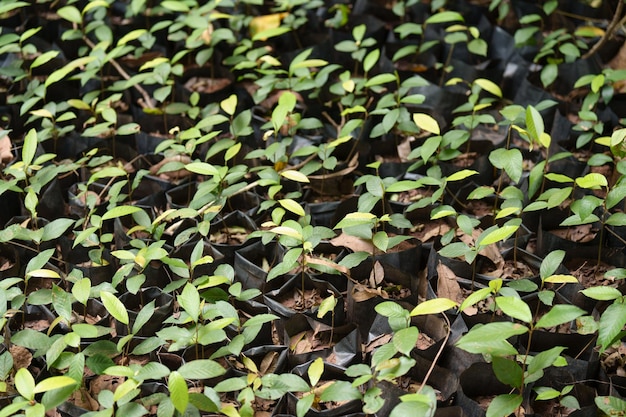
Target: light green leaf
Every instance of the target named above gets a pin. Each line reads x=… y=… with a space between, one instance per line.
x=603 y=293
x=559 y=314
x=71 y=14
x=120 y=211
x=25 y=383
x=114 y=306
x=515 y=307
x=179 y=394
x=489 y=86
x=315 y=371
x=54 y=382
x=504 y=405
x=461 y=175
x=405 y=340
x=189 y=300
x=201 y=369
x=294 y=176
x=434 y=306
x=292 y=206
x=427 y=122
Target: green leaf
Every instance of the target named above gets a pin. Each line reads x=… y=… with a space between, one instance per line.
x=475 y=297
x=189 y=300
x=559 y=314
x=434 y=306
x=144 y=315
x=380 y=79
x=71 y=14
x=612 y=322
x=304 y=404
x=593 y=180
x=405 y=340
x=120 y=211
x=292 y=206
x=534 y=123
x=54 y=382
x=541 y=361
x=315 y=371
x=497 y=234
x=546 y=393
x=390 y=309
x=201 y=369
x=603 y=293
x=55 y=229
x=327 y=305
x=29 y=147
x=114 y=306
x=489 y=86
x=461 y=175
x=508 y=371
x=510 y=160
x=259 y=320
x=25 y=383
x=381 y=240
x=445 y=17
x=551 y=263
x=179 y=394
x=503 y=405
x=491 y=338
x=340 y=391
x=548 y=74
x=515 y=307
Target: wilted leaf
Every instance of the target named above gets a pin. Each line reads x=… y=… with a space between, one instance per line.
x=447 y=285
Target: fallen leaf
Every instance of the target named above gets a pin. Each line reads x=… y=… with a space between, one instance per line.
x=447 y=285
x=5 y=150
x=21 y=356
x=377 y=275
x=362 y=292
x=355 y=244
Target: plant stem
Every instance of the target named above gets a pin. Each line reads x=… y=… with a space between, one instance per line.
x=439 y=352
x=610 y=30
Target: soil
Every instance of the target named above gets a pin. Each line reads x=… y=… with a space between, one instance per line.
x=22 y=357
x=425 y=232
x=551 y=408
x=295 y=301
x=5 y=263
x=309 y=341
x=580 y=234
x=424 y=341
x=465 y=160
x=205 y=85
x=510 y=270
x=411 y=196
x=410 y=385
x=478 y=208
x=589 y=273
x=230 y=236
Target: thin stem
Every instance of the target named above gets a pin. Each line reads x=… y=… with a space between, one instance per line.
x=610 y=30
x=439 y=352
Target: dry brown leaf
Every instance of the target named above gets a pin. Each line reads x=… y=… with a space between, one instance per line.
x=83 y=399
x=379 y=341
x=21 y=356
x=5 y=150
x=268 y=364
x=447 y=285
x=404 y=148
x=355 y=244
x=377 y=275
x=362 y=292
x=326 y=262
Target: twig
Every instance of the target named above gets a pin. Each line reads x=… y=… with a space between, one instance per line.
x=438 y=355
x=615 y=23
